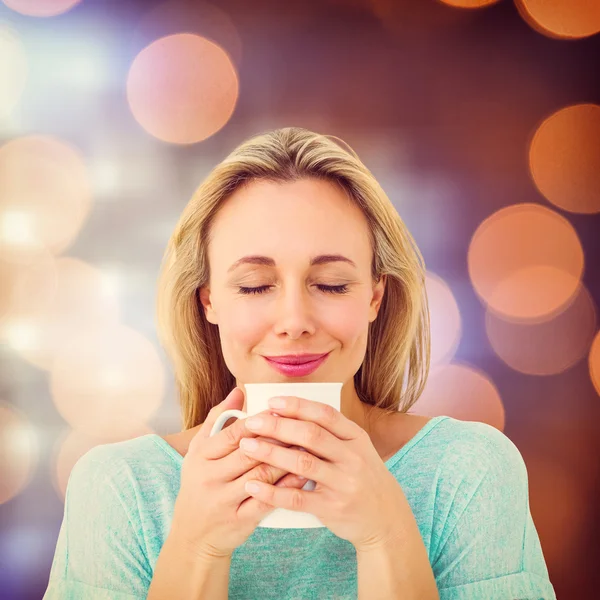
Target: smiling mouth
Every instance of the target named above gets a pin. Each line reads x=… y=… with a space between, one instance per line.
x=299 y=359
x=297 y=370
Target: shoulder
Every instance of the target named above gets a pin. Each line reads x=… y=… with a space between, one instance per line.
x=119 y=463
x=483 y=542
x=452 y=450
x=105 y=544
x=446 y=436
x=133 y=450
x=479 y=443
x=478 y=460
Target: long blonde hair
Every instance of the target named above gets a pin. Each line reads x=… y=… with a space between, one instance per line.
x=396 y=364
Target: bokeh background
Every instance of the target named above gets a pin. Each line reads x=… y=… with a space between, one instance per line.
x=481 y=120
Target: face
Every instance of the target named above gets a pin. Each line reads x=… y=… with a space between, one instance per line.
x=295 y=307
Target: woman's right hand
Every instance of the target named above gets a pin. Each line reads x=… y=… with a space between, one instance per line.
x=213 y=512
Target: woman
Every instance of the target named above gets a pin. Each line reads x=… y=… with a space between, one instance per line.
x=291 y=246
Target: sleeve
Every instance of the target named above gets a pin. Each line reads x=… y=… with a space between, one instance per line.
x=486 y=544
x=99 y=552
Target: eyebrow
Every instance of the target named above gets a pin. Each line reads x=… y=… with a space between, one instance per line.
x=267 y=261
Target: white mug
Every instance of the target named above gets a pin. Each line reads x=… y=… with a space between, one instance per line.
x=257 y=400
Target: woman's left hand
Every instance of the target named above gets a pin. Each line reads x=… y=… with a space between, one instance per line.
x=355 y=496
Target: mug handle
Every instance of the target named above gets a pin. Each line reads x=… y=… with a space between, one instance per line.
x=223 y=417
x=240 y=414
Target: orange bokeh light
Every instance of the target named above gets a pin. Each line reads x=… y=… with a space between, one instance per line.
x=594 y=362
x=463 y=392
x=545 y=347
x=106 y=380
x=27 y=289
x=561 y=18
x=45 y=197
x=525 y=262
x=468 y=3
x=182 y=88
x=41 y=8
x=446 y=326
x=69 y=294
x=564 y=158
x=9 y=275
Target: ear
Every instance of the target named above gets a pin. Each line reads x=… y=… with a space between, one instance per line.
x=209 y=311
x=378 y=291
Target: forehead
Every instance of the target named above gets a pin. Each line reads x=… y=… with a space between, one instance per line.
x=303 y=217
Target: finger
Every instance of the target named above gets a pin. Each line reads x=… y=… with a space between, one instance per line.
x=235 y=399
x=260 y=472
x=291 y=480
x=322 y=414
x=227 y=439
x=294 y=461
x=306 y=434
x=247 y=505
x=285 y=497
x=239 y=464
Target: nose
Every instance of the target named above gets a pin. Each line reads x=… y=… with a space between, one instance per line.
x=295 y=312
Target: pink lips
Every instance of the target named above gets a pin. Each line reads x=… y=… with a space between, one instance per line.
x=297 y=370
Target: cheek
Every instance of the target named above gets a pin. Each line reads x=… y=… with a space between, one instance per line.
x=238 y=336
x=346 y=324
x=243 y=327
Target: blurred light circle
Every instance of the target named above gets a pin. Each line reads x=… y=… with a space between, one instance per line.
x=41 y=8
x=182 y=88
x=27 y=289
x=462 y=392
x=564 y=158
x=546 y=347
x=13 y=70
x=71 y=446
x=561 y=18
x=18 y=243
x=45 y=196
x=594 y=362
x=9 y=275
x=19 y=452
x=468 y=3
x=525 y=261
x=199 y=18
x=106 y=380
x=76 y=297
x=445 y=321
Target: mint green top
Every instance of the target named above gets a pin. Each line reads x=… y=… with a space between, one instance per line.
x=466 y=483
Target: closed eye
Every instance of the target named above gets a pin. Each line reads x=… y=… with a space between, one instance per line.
x=331 y=289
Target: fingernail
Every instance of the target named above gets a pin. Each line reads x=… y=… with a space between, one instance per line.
x=277 y=402
x=252 y=487
x=254 y=423
x=248 y=444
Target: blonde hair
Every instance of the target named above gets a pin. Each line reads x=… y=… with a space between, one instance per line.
x=396 y=364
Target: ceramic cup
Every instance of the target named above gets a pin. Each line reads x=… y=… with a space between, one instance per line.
x=257 y=400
